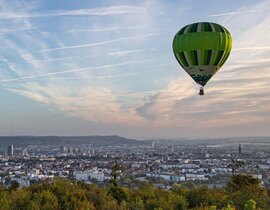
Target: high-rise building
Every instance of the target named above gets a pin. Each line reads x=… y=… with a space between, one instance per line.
x=10 y=150
x=63 y=149
x=153 y=145
x=25 y=153
x=239 y=149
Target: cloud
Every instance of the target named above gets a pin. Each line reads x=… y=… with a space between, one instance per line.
x=100 y=43
x=79 y=103
x=104 y=11
x=126 y=52
x=243 y=12
x=256 y=48
x=64 y=72
x=103 y=29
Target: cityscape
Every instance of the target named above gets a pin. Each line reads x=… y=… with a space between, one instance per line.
x=134 y=105
x=205 y=162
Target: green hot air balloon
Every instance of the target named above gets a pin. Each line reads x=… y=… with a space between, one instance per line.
x=201 y=49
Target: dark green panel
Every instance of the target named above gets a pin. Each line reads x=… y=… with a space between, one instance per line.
x=193 y=28
x=195 y=55
x=182 y=31
x=218 y=58
x=223 y=59
x=181 y=59
x=208 y=54
x=191 y=58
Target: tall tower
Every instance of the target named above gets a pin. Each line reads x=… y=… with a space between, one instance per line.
x=239 y=149
x=153 y=145
x=10 y=150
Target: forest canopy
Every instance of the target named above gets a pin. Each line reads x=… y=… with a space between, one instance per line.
x=242 y=192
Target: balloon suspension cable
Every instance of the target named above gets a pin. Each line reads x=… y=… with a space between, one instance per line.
x=201 y=93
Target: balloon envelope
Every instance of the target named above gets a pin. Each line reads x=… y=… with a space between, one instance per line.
x=201 y=49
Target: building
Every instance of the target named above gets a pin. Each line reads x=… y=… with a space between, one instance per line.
x=25 y=153
x=10 y=150
x=239 y=149
x=63 y=149
x=89 y=174
x=153 y=145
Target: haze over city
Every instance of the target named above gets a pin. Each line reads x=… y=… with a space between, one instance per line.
x=107 y=67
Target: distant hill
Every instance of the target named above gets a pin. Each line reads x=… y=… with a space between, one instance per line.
x=214 y=141
x=60 y=140
x=114 y=140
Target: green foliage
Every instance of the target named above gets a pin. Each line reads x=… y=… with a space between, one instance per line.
x=242 y=193
x=14 y=185
x=240 y=181
x=228 y=207
x=5 y=202
x=242 y=188
x=250 y=205
x=209 y=197
x=235 y=165
x=118 y=193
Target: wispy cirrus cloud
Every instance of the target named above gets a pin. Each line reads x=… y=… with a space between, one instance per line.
x=64 y=72
x=126 y=52
x=100 y=43
x=104 y=11
x=104 y=29
x=240 y=12
x=256 y=48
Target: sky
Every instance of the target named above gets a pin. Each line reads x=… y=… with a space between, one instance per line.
x=107 y=68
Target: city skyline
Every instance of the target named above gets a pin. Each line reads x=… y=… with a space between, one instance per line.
x=107 y=67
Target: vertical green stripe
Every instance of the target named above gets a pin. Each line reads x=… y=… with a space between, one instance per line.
x=181 y=59
x=187 y=29
x=187 y=58
x=227 y=49
x=202 y=55
x=199 y=28
x=193 y=28
x=181 y=31
x=213 y=57
x=199 y=57
x=208 y=27
x=208 y=54
x=191 y=58
x=212 y=27
x=219 y=57
x=224 y=59
x=195 y=57
x=203 y=27
x=225 y=41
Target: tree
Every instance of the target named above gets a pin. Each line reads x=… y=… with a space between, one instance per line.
x=228 y=207
x=235 y=165
x=250 y=205
x=118 y=193
x=14 y=185
x=115 y=174
x=4 y=200
x=240 y=181
x=242 y=188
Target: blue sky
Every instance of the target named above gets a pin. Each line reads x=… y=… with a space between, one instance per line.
x=107 y=67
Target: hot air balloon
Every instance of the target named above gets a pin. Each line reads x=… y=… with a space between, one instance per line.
x=201 y=49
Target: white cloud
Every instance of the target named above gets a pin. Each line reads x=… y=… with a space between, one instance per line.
x=104 y=11
x=100 y=43
x=240 y=12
